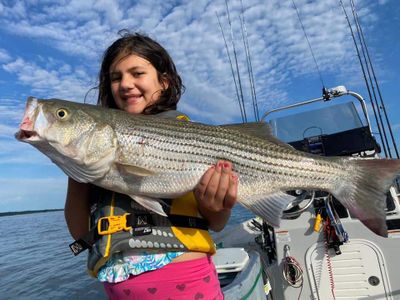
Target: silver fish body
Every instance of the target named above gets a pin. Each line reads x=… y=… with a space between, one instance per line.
x=148 y=157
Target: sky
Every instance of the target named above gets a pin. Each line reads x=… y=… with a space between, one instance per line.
x=53 y=49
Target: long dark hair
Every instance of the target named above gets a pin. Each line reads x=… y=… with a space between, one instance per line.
x=145 y=47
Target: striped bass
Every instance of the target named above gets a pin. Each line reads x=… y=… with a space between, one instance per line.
x=148 y=158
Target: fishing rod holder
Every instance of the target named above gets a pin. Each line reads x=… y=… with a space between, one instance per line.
x=338 y=91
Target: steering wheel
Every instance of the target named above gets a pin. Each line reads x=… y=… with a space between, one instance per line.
x=294 y=209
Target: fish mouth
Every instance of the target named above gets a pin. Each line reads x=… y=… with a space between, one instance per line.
x=26 y=135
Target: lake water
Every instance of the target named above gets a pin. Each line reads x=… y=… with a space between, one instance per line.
x=36 y=263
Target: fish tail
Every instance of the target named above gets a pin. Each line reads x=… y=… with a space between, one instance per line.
x=364 y=193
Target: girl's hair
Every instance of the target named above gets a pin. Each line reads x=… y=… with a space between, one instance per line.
x=145 y=47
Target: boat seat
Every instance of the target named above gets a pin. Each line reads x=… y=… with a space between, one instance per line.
x=229 y=260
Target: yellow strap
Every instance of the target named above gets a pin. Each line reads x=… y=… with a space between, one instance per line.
x=194 y=239
x=108 y=246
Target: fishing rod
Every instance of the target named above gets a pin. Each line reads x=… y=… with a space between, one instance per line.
x=363 y=42
x=367 y=67
x=236 y=62
x=232 y=70
x=365 y=79
x=249 y=65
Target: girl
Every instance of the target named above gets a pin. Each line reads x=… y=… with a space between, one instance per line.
x=138 y=76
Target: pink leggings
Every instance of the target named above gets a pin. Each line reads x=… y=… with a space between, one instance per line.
x=194 y=279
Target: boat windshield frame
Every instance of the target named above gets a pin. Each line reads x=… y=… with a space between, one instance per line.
x=328 y=95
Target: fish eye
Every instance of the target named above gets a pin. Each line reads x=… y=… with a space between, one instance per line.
x=61 y=113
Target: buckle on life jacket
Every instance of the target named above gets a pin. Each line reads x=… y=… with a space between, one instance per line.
x=112 y=224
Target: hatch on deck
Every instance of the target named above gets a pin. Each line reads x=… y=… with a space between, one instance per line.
x=358 y=273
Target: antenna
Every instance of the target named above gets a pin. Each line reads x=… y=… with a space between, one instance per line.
x=309 y=45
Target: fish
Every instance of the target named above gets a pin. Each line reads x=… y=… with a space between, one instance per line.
x=151 y=158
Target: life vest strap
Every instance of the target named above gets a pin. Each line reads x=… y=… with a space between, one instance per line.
x=138 y=224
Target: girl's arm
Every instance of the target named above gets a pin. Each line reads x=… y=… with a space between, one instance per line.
x=76 y=209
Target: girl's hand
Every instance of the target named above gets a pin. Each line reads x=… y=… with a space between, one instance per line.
x=216 y=194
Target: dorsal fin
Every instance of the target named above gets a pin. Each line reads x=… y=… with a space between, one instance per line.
x=258 y=129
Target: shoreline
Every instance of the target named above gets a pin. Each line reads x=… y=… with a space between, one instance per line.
x=25 y=212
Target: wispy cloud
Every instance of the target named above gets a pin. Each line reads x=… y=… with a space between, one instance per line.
x=4 y=56
x=11 y=110
x=7 y=131
x=53 y=80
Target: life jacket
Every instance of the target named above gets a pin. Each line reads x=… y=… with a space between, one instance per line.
x=119 y=224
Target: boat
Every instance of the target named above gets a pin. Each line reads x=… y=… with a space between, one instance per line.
x=319 y=251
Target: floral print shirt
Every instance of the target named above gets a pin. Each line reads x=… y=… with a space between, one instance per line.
x=120 y=266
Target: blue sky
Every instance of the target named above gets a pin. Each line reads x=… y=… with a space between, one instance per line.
x=54 y=48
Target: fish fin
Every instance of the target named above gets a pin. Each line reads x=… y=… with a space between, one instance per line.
x=151 y=204
x=364 y=195
x=269 y=207
x=258 y=129
x=134 y=170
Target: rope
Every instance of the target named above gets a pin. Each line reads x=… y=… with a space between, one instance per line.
x=292 y=271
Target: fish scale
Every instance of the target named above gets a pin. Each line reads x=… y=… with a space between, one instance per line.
x=272 y=162
x=147 y=158
x=278 y=168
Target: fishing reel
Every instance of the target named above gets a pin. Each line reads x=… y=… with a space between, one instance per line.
x=293 y=210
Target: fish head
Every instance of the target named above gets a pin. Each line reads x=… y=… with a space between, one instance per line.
x=71 y=134
x=58 y=123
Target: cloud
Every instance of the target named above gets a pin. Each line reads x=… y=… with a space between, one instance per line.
x=7 y=131
x=11 y=110
x=4 y=56
x=58 y=81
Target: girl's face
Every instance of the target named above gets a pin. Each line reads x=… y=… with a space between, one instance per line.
x=134 y=83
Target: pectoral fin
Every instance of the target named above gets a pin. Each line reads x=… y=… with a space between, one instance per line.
x=134 y=170
x=152 y=204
